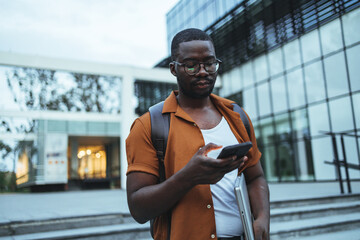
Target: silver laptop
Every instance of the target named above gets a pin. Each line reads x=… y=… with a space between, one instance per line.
x=242 y=197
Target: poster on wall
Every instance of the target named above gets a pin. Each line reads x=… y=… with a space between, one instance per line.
x=56 y=158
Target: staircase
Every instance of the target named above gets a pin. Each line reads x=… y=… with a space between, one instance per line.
x=334 y=217
x=109 y=226
x=321 y=218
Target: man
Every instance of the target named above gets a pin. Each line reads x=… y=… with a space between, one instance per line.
x=199 y=189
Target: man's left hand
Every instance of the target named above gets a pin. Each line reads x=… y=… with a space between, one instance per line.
x=261 y=229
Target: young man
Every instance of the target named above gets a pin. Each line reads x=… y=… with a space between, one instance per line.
x=199 y=189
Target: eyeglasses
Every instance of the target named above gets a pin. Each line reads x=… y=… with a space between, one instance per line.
x=193 y=67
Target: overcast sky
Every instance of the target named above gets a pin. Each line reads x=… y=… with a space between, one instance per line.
x=129 y=32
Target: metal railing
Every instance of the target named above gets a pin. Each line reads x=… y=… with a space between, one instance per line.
x=338 y=163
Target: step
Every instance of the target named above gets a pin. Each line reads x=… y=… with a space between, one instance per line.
x=353 y=234
x=314 y=201
x=126 y=231
x=305 y=212
x=314 y=226
x=10 y=228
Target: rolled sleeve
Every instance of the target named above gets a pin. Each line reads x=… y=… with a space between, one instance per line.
x=141 y=155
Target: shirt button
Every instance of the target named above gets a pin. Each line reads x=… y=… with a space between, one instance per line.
x=209 y=206
x=212 y=235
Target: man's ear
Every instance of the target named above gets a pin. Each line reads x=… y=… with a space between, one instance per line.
x=172 y=68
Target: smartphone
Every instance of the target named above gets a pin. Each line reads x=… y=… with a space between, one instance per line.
x=239 y=150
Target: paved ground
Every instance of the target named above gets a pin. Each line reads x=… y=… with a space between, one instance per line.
x=34 y=206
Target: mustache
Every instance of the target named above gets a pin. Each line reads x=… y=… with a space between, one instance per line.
x=202 y=81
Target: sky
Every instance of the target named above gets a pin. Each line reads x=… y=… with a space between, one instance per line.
x=127 y=32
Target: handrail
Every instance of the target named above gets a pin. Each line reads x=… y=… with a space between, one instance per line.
x=342 y=163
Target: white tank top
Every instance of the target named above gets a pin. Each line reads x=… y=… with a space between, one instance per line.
x=227 y=217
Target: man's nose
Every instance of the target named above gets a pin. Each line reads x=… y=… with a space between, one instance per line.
x=202 y=69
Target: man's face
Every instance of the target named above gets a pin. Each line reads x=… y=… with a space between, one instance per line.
x=201 y=84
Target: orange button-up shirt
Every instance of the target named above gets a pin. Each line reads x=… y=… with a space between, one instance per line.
x=193 y=216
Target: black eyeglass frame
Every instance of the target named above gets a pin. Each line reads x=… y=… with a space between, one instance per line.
x=217 y=61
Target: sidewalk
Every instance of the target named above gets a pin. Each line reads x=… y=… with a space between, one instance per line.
x=36 y=206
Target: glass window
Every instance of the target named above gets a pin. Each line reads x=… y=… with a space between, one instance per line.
x=278 y=94
x=303 y=159
x=276 y=62
x=264 y=99
x=314 y=82
x=236 y=79
x=267 y=131
x=261 y=68
x=292 y=54
x=283 y=129
x=296 y=88
x=319 y=119
x=356 y=103
x=248 y=74
x=353 y=57
x=310 y=45
x=335 y=73
x=269 y=163
x=341 y=114
x=322 y=151
x=250 y=102
x=331 y=37
x=286 y=161
x=351 y=22
x=300 y=125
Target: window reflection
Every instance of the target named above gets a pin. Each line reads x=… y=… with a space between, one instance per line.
x=264 y=99
x=356 y=102
x=269 y=162
x=319 y=119
x=335 y=73
x=300 y=126
x=292 y=54
x=267 y=131
x=353 y=60
x=340 y=108
x=331 y=37
x=248 y=74
x=314 y=81
x=250 y=102
x=310 y=46
x=296 y=88
x=276 y=62
x=321 y=152
x=261 y=68
x=278 y=94
x=351 y=22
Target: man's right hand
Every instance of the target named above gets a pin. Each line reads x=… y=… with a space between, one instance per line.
x=202 y=169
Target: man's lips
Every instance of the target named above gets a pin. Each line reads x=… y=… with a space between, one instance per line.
x=203 y=83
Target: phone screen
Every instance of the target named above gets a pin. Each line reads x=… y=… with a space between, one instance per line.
x=239 y=150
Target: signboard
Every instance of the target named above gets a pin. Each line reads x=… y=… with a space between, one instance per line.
x=56 y=158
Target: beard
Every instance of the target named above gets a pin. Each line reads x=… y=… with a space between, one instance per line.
x=190 y=92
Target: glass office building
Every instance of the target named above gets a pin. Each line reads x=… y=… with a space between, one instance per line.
x=294 y=67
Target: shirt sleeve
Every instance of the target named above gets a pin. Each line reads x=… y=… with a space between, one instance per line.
x=141 y=155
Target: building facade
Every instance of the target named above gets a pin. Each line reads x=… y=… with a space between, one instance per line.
x=294 y=67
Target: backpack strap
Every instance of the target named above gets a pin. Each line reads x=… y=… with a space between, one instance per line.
x=243 y=117
x=160 y=125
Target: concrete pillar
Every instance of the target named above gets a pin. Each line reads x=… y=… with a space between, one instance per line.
x=127 y=118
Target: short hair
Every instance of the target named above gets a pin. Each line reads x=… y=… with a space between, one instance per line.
x=187 y=35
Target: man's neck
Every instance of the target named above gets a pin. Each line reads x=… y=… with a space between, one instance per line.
x=193 y=103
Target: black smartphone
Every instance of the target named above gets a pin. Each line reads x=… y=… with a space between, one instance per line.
x=239 y=150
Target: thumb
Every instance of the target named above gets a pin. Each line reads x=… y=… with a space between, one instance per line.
x=207 y=148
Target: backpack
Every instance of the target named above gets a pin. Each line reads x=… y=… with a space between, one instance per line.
x=160 y=125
